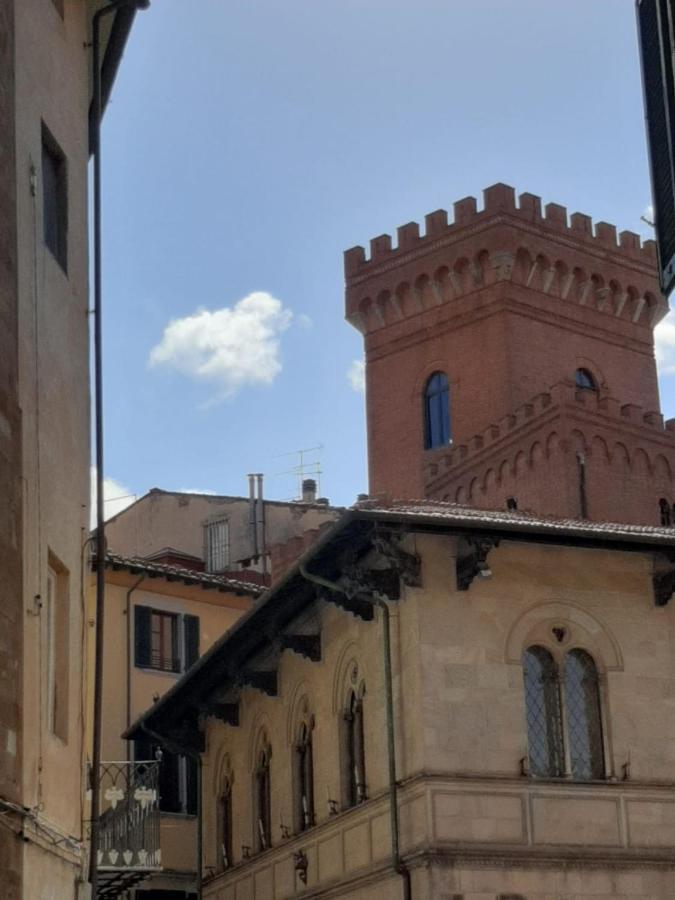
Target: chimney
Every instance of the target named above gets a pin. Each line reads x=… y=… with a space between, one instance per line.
x=309 y=490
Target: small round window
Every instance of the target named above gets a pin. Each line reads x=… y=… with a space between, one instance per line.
x=584 y=380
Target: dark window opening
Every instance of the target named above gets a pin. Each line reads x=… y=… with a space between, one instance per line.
x=263 y=804
x=304 y=815
x=511 y=503
x=55 y=199
x=177 y=778
x=584 y=380
x=164 y=640
x=665 y=513
x=355 y=761
x=225 y=828
x=437 y=431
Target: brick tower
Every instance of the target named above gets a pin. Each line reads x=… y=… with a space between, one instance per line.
x=510 y=360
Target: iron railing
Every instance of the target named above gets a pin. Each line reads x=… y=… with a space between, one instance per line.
x=129 y=846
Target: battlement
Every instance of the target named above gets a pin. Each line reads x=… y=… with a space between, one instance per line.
x=499 y=200
x=539 y=409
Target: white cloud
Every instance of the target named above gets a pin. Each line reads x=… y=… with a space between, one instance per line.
x=648 y=212
x=664 y=344
x=116 y=497
x=304 y=321
x=356 y=375
x=231 y=347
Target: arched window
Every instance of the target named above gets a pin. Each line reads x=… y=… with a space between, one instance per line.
x=354 y=756
x=571 y=745
x=224 y=855
x=664 y=509
x=584 y=721
x=437 y=411
x=263 y=800
x=544 y=719
x=304 y=761
x=584 y=380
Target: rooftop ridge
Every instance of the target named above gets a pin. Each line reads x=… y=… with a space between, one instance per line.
x=500 y=199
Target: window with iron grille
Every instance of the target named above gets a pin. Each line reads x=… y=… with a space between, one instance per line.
x=354 y=763
x=564 y=716
x=304 y=762
x=217 y=545
x=54 y=198
x=165 y=640
x=263 y=801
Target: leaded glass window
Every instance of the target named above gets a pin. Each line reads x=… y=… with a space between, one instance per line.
x=544 y=719
x=263 y=803
x=355 y=760
x=584 y=721
x=305 y=779
x=437 y=431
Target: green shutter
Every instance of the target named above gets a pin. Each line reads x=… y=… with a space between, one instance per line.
x=142 y=641
x=191 y=632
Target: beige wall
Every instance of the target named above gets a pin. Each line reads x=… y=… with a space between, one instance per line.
x=161 y=519
x=51 y=80
x=461 y=740
x=216 y=611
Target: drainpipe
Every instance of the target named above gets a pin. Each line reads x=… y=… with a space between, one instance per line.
x=183 y=751
x=397 y=863
x=98 y=390
x=263 y=527
x=583 y=500
x=129 y=593
x=252 y=518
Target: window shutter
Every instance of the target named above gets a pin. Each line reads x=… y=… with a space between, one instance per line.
x=191 y=635
x=192 y=784
x=142 y=635
x=169 y=783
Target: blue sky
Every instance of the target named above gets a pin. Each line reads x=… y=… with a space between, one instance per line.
x=249 y=142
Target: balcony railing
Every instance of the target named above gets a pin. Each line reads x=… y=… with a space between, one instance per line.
x=129 y=848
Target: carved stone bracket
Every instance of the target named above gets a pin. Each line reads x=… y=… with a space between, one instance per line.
x=307 y=645
x=261 y=681
x=472 y=558
x=226 y=712
x=353 y=605
x=407 y=565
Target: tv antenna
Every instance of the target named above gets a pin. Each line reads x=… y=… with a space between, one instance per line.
x=308 y=466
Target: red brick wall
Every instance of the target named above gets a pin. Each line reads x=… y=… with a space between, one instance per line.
x=508 y=302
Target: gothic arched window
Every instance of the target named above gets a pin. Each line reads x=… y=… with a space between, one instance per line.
x=584 y=720
x=437 y=431
x=665 y=513
x=584 y=380
x=263 y=800
x=224 y=855
x=304 y=760
x=354 y=753
x=544 y=718
x=569 y=744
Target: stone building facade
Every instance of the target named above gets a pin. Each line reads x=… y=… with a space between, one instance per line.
x=45 y=95
x=541 y=326
x=510 y=781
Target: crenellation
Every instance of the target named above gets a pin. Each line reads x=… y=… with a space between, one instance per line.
x=633 y=412
x=606 y=234
x=654 y=418
x=465 y=210
x=500 y=199
x=670 y=425
x=436 y=223
x=556 y=215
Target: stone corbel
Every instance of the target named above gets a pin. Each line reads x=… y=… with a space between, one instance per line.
x=408 y=566
x=664 y=587
x=472 y=553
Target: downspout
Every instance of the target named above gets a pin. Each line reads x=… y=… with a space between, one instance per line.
x=583 y=499
x=397 y=863
x=200 y=824
x=129 y=593
x=98 y=414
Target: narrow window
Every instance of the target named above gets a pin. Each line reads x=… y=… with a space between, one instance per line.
x=225 y=826
x=304 y=814
x=216 y=545
x=584 y=721
x=584 y=380
x=355 y=768
x=164 y=641
x=437 y=431
x=544 y=720
x=664 y=509
x=263 y=800
x=56 y=626
x=54 y=199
